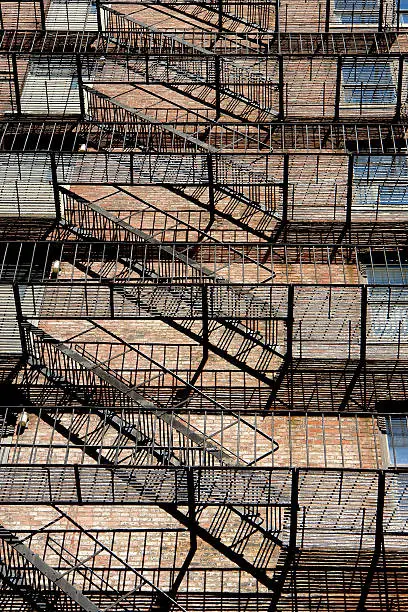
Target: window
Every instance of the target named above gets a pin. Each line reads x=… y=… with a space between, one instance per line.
x=397 y=438
x=380 y=182
x=368 y=80
x=388 y=301
x=403 y=12
x=356 y=11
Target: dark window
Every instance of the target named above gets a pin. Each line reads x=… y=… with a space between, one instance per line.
x=390 y=274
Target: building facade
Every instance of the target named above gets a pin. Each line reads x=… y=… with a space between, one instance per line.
x=204 y=305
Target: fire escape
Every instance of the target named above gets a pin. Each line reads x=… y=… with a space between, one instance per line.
x=204 y=305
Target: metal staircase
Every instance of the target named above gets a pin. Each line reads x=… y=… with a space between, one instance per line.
x=217 y=528
x=237 y=342
x=35 y=581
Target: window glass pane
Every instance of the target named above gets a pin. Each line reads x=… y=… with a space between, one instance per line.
x=404 y=11
x=368 y=81
x=381 y=166
x=397 y=435
x=356 y=11
x=388 y=304
x=380 y=180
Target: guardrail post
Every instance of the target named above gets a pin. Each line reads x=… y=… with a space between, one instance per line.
x=290 y=322
x=111 y=300
x=349 y=197
x=398 y=104
x=211 y=191
x=363 y=324
x=217 y=70
x=132 y=167
x=285 y=188
x=204 y=297
x=55 y=187
x=338 y=88
x=294 y=509
x=281 y=115
x=80 y=84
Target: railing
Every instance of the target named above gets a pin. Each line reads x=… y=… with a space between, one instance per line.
x=296 y=439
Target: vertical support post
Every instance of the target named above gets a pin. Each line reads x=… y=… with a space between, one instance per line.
x=277 y=17
x=206 y=335
x=217 y=70
x=192 y=516
x=381 y=16
x=131 y=167
x=363 y=324
x=289 y=339
x=398 y=104
x=338 y=88
x=285 y=188
x=42 y=15
x=98 y=15
x=193 y=539
x=16 y=83
x=80 y=84
x=54 y=177
x=220 y=15
x=289 y=561
x=77 y=483
x=287 y=366
x=204 y=359
x=20 y=320
x=281 y=115
x=363 y=342
x=378 y=542
x=290 y=322
x=211 y=191
x=147 y=71
x=191 y=495
x=379 y=519
x=327 y=16
x=111 y=300
x=349 y=200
